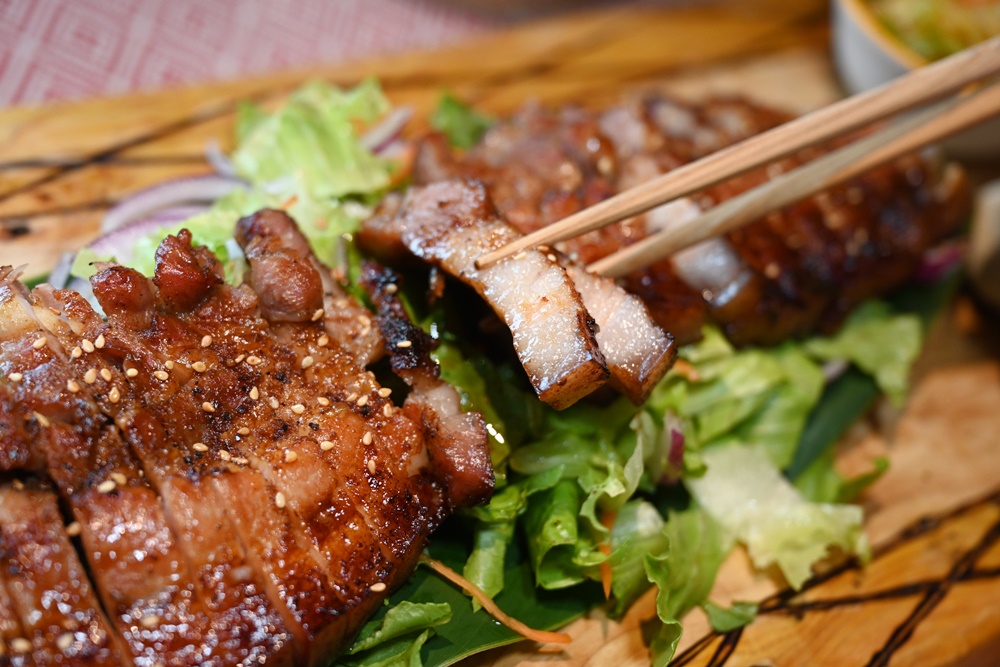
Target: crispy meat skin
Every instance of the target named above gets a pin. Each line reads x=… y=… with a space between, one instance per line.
x=448 y=225
x=240 y=482
x=798 y=269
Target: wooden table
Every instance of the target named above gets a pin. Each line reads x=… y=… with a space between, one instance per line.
x=931 y=596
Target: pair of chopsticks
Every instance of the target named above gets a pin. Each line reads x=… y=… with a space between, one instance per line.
x=956 y=93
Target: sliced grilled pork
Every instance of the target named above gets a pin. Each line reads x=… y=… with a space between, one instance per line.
x=432 y=401
x=247 y=493
x=47 y=585
x=797 y=269
x=638 y=352
x=449 y=225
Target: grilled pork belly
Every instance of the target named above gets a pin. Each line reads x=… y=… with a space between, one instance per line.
x=246 y=491
x=798 y=269
x=448 y=225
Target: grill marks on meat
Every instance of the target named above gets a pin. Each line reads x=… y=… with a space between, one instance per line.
x=433 y=402
x=448 y=225
x=797 y=269
x=240 y=482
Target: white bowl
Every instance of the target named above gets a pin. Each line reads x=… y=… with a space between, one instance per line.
x=867 y=55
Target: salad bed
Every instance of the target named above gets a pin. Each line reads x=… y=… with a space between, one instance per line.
x=593 y=502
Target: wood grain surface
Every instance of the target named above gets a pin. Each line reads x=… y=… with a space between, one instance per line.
x=931 y=595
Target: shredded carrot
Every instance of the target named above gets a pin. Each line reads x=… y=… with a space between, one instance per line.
x=608 y=521
x=491 y=607
x=687 y=370
x=290 y=202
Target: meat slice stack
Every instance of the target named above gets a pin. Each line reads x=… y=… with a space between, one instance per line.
x=236 y=484
x=798 y=269
x=572 y=331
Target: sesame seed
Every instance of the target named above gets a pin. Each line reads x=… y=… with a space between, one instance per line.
x=107 y=486
x=387 y=410
x=131 y=372
x=199 y=447
x=20 y=644
x=318 y=315
x=371 y=466
x=254 y=360
x=307 y=361
x=114 y=395
x=279 y=499
x=72 y=386
x=273 y=402
x=119 y=478
x=240 y=358
x=367 y=438
x=353 y=396
x=378 y=587
x=341 y=303
x=520 y=255
x=88 y=347
x=323 y=340
x=15 y=377
x=40 y=343
x=365 y=320
x=323 y=400
x=64 y=641
x=99 y=343
x=291 y=456
x=19 y=485
x=106 y=374
x=90 y=377
x=551 y=257
x=404 y=343
x=243 y=431
x=199 y=366
x=42 y=419
x=298 y=408
x=161 y=375
x=363 y=401
x=207 y=407
x=385 y=392
x=326 y=445
x=206 y=340
x=76 y=352
x=225 y=456
x=74 y=529
x=391 y=288
x=150 y=621
x=240 y=461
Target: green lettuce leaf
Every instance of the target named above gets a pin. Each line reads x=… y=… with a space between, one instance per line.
x=879 y=342
x=462 y=125
x=726 y=620
x=749 y=497
x=395 y=639
x=638 y=531
x=821 y=483
x=684 y=573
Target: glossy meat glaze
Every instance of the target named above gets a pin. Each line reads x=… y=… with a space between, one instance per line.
x=798 y=269
x=210 y=477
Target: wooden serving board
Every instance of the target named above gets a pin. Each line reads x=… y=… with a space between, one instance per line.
x=931 y=596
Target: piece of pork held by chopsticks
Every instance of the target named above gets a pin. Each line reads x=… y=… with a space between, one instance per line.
x=572 y=331
x=244 y=491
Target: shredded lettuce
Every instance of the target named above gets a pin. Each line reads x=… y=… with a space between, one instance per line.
x=306 y=158
x=749 y=497
x=879 y=342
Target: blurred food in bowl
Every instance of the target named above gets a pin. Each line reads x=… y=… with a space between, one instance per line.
x=938 y=28
x=875 y=41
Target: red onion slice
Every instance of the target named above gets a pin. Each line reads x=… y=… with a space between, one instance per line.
x=195 y=190
x=940 y=261
x=380 y=136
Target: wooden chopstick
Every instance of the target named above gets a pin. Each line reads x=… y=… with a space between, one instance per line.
x=919 y=87
x=905 y=135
